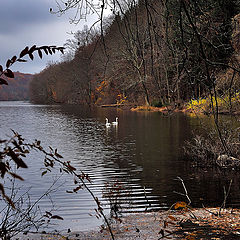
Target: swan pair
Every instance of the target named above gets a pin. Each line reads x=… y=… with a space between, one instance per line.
x=108 y=124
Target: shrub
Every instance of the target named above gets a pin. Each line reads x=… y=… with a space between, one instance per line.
x=225 y=104
x=204 y=150
x=157 y=103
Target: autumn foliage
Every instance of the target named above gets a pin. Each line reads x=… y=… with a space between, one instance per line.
x=163 y=52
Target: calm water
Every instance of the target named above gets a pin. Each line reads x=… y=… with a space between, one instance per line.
x=143 y=152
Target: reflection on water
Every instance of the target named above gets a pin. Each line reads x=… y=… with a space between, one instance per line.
x=142 y=152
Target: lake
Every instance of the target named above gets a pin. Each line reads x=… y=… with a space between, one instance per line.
x=143 y=154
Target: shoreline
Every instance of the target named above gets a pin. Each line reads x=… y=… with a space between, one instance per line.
x=169 y=109
x=200 y=223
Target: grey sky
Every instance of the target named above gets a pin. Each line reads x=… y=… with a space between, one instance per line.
x=28 y=22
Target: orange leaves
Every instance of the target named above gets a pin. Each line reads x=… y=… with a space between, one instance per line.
x=192 y=236
x=121 y=98
x=101 y=87
x=180 y=205
x=101 y=91
x=54 y=94
x=172 y=218
x=170 y=222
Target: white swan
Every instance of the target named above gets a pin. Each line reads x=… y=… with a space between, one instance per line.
x=107 y=123
x=116 y=122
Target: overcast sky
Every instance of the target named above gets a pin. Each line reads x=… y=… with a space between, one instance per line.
x=28 y=22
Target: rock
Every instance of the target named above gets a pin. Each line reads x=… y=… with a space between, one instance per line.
x=227 y=161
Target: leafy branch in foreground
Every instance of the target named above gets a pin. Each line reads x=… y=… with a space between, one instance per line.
x=13 y=151
x=26 y=52
x=26 y=214
x=81 y=179
x=18 y=212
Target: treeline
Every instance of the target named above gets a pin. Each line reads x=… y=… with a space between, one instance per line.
x=17 y=88
x=153 y=52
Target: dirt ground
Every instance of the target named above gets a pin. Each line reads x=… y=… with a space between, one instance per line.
x=179 y=224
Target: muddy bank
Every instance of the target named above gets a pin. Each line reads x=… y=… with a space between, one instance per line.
x=210 y=223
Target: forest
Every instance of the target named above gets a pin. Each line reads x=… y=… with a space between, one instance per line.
x=17 y=88
x=150 y=52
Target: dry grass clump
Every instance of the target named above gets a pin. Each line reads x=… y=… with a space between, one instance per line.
x=204 y=150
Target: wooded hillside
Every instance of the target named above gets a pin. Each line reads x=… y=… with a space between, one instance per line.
x=17 y=88
x=150 y=52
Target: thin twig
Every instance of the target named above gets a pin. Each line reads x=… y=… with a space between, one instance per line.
x=225 y=197
x=185 y=189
